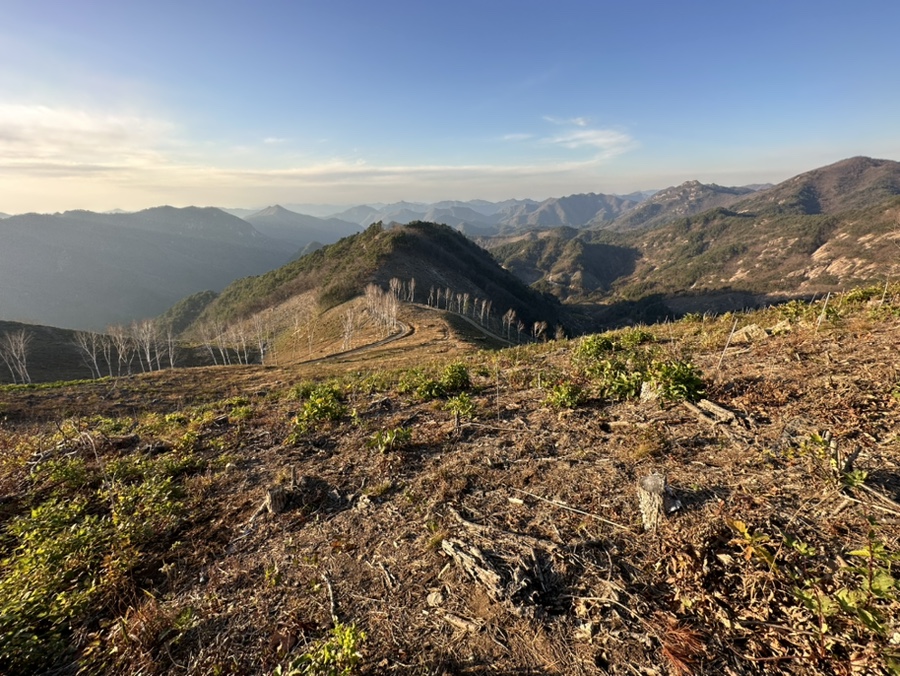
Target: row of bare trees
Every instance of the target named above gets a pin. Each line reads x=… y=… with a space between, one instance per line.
x=147 y=345
x=242 y=343
x=382 y=306
x=14 y=353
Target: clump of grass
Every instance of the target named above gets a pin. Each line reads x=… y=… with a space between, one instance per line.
x=453 y=378
x=78 y=547
x=623 y=366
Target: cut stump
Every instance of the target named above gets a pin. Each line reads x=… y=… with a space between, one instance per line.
x=655 y=500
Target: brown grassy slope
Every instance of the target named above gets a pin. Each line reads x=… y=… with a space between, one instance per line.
x=735 y=582
x=854 y=183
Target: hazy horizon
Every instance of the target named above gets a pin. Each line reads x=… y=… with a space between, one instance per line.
x=117 y=106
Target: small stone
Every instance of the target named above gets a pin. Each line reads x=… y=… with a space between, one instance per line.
x=435 y=599
x=751 y=333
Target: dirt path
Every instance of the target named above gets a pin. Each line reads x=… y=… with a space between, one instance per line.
x=406 y=331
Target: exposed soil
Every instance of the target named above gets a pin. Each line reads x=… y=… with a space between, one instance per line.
x=544 y=499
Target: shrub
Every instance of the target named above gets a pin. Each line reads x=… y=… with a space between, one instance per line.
x=461 y=405
x=338 y=655
x=631 y=338
x=594 y=347
x=390 y=440
x=677 y=381
x=566 y=395
x=455 y=378
x=420 y=385
x=69 y=554
x=324 y=403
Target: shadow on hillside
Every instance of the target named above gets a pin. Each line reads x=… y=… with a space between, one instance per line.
x=659 y=307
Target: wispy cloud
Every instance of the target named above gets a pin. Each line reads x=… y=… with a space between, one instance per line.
x=607 y=143
x=567 y=121
x=577 y=133
x=36 y=135
x=67 y=157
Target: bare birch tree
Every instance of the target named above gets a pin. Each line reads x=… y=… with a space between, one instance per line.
x=123 y=345
x=89 y=344
x=348 y=321
x=14 y=353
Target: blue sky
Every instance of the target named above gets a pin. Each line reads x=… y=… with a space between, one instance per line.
x=129 y=105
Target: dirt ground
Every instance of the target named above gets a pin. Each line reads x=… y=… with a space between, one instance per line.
x=511 y=542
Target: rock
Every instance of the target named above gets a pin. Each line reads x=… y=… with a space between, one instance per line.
x=751 y=333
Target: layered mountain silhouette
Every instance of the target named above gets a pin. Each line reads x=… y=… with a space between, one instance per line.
x=827 y=229
x=299 y=230
x=85 y=270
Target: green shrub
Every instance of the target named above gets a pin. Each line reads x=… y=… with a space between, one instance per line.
x=420 y=385
x=461 y=405
x=69 y=554
x=863 y=294
x=390 y=440
x=566 y=395
x=324 y=403
x=677 y=381
x=338 y=655
x=631 y=338
x=594 y=347
x=455 y=378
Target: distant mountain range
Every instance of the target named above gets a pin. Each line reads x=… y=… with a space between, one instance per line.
x=479 y=218
x=827 y=228
x=300 y=230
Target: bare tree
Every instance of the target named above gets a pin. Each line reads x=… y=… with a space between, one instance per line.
x=349 y=326
x=14 y=353
x=89 y=344
x=208 y=338
x=123 y=345
x=144 y=335
x=171 y=346
x=106 y=347
x=222 y=343
x=539 y=330
x=411 y=298
x=508 y=320
x=520 y=326
x=431 y=297
x=261 y=332
x=396 y=286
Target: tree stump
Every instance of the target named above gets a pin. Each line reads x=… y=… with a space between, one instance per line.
x=655 y=499
x=276 y=499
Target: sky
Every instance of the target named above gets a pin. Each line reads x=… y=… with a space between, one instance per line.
x=130 y=105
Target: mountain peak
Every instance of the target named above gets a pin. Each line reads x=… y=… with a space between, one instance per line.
x=274 y=210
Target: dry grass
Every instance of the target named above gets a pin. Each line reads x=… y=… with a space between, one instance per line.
x=730 y=584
